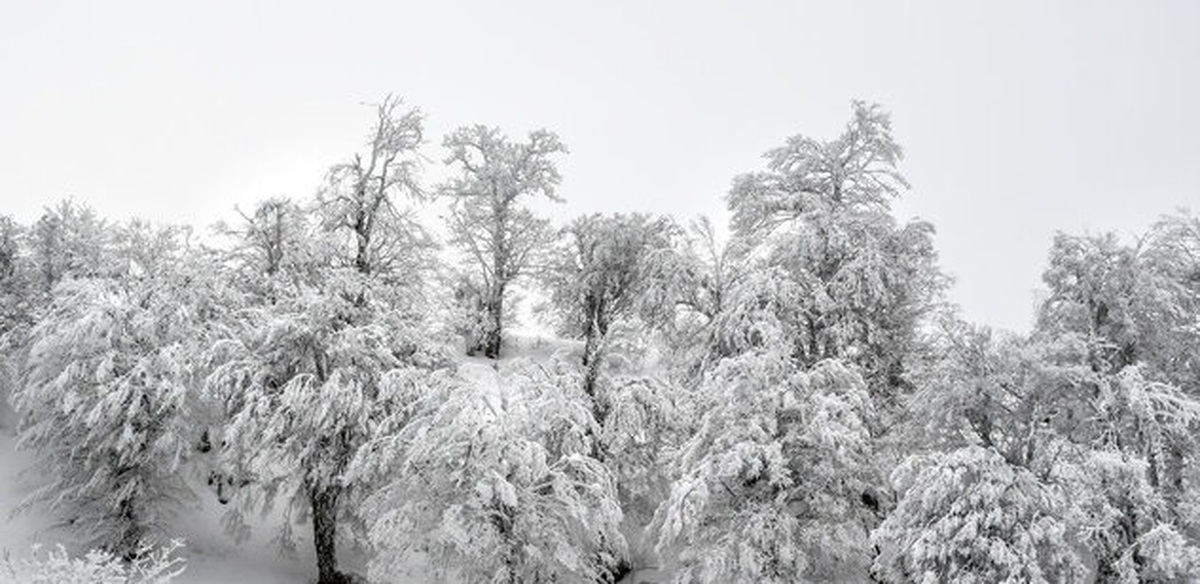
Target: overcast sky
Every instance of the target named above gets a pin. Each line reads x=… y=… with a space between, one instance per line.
x=1018 y=118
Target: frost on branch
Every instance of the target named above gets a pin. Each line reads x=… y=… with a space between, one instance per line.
x=153 y=566
x=317 y=376
x=490 y=222
x=1121 y=520
x=969 y=516
x=770 y=484
x=499 y=485
x=104 y=401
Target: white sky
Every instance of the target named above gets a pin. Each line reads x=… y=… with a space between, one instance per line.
x=1018 y=118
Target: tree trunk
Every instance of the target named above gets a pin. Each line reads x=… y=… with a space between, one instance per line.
x=591 y=361
x=1174 y=465
x=362 y=256
x=493 y=333
x=324 y=520
x=593 y=357
x=129 y=545
x=593 y=348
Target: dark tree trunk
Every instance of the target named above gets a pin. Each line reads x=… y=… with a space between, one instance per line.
x=362 y=256
x=597 y=328
x=591 y=361
x=131 y=537
x=324 y=520
x=492 y=335
x=593 y=358
x=617 y=566
x=1175 y=464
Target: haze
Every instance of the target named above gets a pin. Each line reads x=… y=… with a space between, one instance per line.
x=1018 y=119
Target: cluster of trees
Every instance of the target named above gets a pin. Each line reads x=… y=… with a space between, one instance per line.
x=796 y=402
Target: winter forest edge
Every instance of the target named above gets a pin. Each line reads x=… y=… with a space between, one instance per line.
x=788 y=399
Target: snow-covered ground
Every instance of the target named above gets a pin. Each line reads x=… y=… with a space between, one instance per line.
x=19 y=531
x=212 y=556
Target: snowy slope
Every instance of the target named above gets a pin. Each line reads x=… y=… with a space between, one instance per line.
x=212 y=556
x=19 y=531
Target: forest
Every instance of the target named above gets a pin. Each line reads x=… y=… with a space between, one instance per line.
x=787 y=398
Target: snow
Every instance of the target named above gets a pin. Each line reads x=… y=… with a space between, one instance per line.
x=19 y=531
x=212 y=555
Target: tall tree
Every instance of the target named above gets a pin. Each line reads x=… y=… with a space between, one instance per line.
x=1127 y=310
x=488 y=217
x=342 y=346
x=319 y=374
x=821 y=216
x=1022 y=432
x=969 y=516
x=828 y=287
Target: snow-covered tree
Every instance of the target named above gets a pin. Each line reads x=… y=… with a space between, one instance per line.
x=362 y=198
x=138 y=248
x=1080 y=412
x=489 y=219
x=984 y=389
x=16 y=310
x=1122 y=521
x=613 y=280
x=976 y=498
x=104 y=400
x=610 y=268
x=1127 y=481
x=315 y=376
x=68 y=240
x=268 y=241
x=1130 y=308
x=498 y=485
x=1170 y=331
x=770 y=484
x=335 y=355
x=710 y=269
x=9 y=233
x=971 y=516
x=821 y=214
x=810 y=318
x=153 y=566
